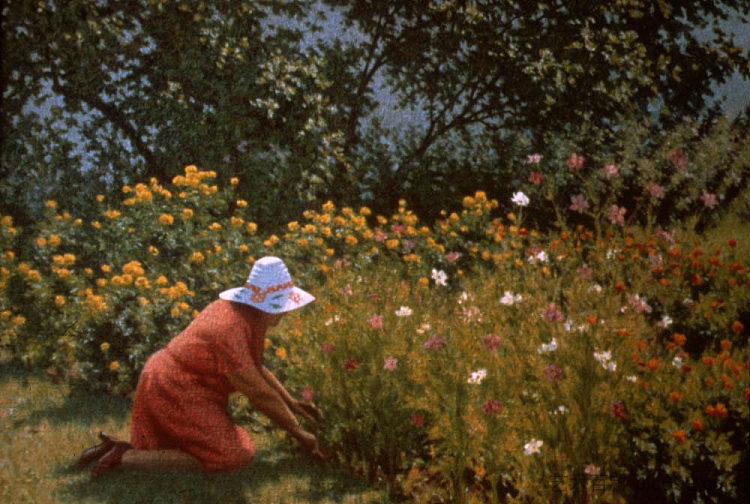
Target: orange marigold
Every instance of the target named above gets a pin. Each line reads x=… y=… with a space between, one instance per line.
x=679 y=436
x=653 y=364
x=696 y=425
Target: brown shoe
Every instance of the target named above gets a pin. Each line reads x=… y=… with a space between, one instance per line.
x=111 y=459
x=95 y=452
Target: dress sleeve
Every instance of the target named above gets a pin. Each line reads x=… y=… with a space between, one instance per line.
x=233 y=348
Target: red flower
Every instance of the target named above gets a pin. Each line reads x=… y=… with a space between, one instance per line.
x=307 y=394
x=351 y=364
x=327 y=348
x=619 y=411
x=492 y=342
x=575 y=161
x=679 y=436
x=653 y=364
x=696 y=425
x=678 y=159
x=737 y=327
x=732 y=242
x=492 y=406
x=536 y=178
x=417 y=420
x=675 y=396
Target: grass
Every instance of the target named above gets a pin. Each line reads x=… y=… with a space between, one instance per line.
x=44 y=426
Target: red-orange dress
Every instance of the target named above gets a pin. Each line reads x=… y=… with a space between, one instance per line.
x=181 y=398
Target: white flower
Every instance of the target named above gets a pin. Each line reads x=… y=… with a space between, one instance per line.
x=404 y=311
x=666 y=321
x=540 y=256
x=423 y=328
x=533 y=158
x=520 y=199
x=561 y=409
x=596 y=288
x=612 y=366
x=333 y=320
x=478 y=376
x=677 y=361
x=612 y=253
x=463 y=297
x=532 y=446
x=440 y=277
x=548 y=347
x=603 y=357
x=509 y=298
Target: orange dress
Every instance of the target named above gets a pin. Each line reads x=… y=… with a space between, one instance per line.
x=181 y=398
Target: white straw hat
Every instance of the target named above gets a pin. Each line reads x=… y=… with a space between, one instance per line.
x=269 y=288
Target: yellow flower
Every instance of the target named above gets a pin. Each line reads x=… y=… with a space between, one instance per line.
x=112 y=214
x=54 y=240
x=101 y=282
x=250 y=260
x=182 y=195
x=99 y=198
x=5 y=315
x=153 y=250
x=186 y=213
x=293 y=226
x=237 y=222
x=183 y=306
x=175 y=312
x=391 y=244
x=468 y=202
x=251 y=227
x=328 y=206
x=114 y=366
x=330 y=252
x=424 y=282
x=133 y=268
x=127 y=189
x=51 y=204
x=59 y=300
x=242 y=203
x=191 y=169
x=77 y=222
x=162 y=280
x=7 y=221
x=142 y=283
x=351 y=240
x=104 y=346
x=166 y=219
x=196 y=257
x=382 y=220
x=19 y=320
x=364 y=211
x=217 y=249
x=41 y=242
x=234 y=181
x=143 y=301
x=215 y=226
x=10 y=255
x=96 y=224
x=281 y=353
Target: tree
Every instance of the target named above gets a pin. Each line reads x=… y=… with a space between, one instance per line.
x=150 y=86
x=504 y=67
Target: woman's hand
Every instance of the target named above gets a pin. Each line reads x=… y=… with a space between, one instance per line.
x=310 y=443
x=307 y=410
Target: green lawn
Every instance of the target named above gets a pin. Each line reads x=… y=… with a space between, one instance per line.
x=44 y=426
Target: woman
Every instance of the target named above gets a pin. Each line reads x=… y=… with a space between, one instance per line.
x=179 y=419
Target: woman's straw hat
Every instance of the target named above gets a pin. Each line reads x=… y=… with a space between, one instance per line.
x=269 y=288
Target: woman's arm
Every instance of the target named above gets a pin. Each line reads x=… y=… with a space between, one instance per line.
x=306 y=409
x=252 y=383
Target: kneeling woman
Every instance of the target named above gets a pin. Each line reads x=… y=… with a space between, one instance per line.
x=179 y=419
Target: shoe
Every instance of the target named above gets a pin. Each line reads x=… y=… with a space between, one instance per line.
x=95 y=452
x=111 y=459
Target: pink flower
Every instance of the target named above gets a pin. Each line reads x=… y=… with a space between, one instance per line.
x=492 y=406
x=579 y=203
x=347 y=291
x=379 y=236
x=398 y=229
x=586 y=272
x=655 y=190
x=492 y=342
x=351 y=364
x=619 y=411
x=575 y=161
x=639 y=304
x=390 y=364
x=678 y=159
x=592 y=470
x=551 y=314
x=376 y=321
x=709 y=200
x=417 y=420
x=533 y=158
x=327 y=348
x=434 y=343
x=553 y=372
x=452 y=256
x=610 y=171
x=307 y=394
x=408 y=246
x=536 y=178
x=616 y=215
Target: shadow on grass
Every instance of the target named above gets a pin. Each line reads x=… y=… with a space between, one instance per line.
x=272 y=477
x=80 y=406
